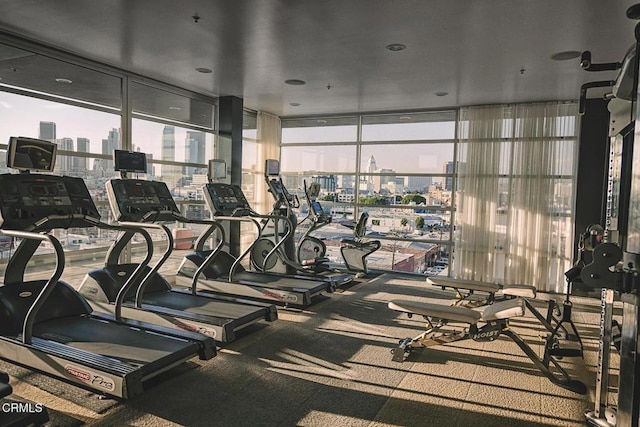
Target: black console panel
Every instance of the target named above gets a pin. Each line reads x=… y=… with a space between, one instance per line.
x=26 y=199
x=225 y=199
x=138 y=200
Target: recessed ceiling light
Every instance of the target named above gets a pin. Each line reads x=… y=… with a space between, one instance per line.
x=405 y=117
x=442 y=93
x=294 y=104
x=396 y=47
x=295 y=82
x=566 y=55
x=204 y=70
x=322 y=122
x=66 y=81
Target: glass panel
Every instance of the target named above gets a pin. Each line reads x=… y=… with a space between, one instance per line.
x=411 y=257
x=39 y=73
x=177 y=144
x=398 y=189
x=407 y=158
x=409 y=126
x=308 y=160
x=341 y=129
x=160 y=103
x=415 y=224
x=74 y=128
x=336 y=195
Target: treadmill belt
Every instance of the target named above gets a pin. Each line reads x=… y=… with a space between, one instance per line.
x=109 y=339
x=202 y=306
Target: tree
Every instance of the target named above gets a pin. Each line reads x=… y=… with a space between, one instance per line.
x=416 y=198
x=419 y=222
x=373 y=200
x=404 y=222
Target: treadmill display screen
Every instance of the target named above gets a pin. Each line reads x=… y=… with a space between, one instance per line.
x=224 y=199
x=133 y=199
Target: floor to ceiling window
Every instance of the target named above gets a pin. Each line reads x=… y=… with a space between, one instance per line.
x=399 y=168
x=81 y=107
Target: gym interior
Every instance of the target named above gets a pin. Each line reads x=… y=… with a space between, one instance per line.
x=336 y=213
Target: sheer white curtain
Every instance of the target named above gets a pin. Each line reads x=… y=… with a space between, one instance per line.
x=268 y=138
x=516 y=194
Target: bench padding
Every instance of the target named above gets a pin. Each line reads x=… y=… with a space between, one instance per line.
x=472 y=285
x=504 y=310
x=499 y=310
x=452 y=313
x=524 y=291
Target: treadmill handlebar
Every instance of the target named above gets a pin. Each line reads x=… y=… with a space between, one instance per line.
x=27 y=326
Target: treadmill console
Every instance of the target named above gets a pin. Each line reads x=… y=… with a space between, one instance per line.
x=226 y=199
x=137 y=200
x=26 y=199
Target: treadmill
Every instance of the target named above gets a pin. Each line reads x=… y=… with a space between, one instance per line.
x=45 y=325
x=149 y=297
x=222 y=273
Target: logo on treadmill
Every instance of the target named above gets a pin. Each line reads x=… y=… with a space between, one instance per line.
x=281 y=297
x=25 y=294
x=91 y=378
x=192 y=328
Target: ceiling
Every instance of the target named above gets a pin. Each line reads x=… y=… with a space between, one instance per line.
x=477 y=52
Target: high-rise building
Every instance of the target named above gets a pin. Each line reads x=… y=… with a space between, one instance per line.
x=371 y=165
x=79 y=164
x=108 y=145
x=170 y=173
x=448 y=182
x=47 y=131
x=64 y=163
x=194 y=150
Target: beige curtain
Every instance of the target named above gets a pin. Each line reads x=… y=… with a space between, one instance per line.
x=269 y=136
x=516 y=194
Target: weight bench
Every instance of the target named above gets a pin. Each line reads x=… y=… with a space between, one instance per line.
x=553 y=321
x=465 y=288
x=486 y=325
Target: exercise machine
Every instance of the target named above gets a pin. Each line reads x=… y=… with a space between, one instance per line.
x=283 y=259
x=46 y=325
x=483 y=326
x=149 y=297
x=356 y=250
x=220 y=272
x=615 y=265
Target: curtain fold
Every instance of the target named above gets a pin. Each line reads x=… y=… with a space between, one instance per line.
x=515 y=194
x=268 y=136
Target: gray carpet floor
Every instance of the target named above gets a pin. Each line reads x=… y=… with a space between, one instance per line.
x=330 y=365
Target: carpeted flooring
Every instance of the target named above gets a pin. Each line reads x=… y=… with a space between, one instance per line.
x=330 y=365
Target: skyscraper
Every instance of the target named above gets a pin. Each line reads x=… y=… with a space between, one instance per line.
x=47 y=131
x=170 y=173
x=108 y=145
x=63 y=163
x=80 y=163
x=194 y=150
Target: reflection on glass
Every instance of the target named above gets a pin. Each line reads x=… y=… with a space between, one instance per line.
x=331 y=158
x=408 y=158
x=176 y=144
x=409 y=126
x=342 y=129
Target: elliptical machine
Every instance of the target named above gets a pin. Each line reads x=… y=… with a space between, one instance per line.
x=265 y=257
x=310 y=248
